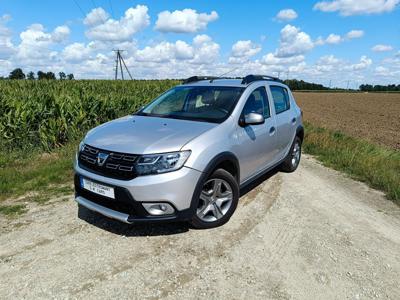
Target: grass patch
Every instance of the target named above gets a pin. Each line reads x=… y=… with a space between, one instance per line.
x=25 y=171
x=375 y=165
x=12 y=210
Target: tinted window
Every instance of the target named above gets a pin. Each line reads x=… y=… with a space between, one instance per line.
x=281 y=98
x=258 y=103
x=198 y=103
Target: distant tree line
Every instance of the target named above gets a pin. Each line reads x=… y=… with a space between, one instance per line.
x=19 y=74
x=295 y=84
x=379 y=88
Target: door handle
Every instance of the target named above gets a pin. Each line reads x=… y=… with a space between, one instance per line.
x=272 y=130
x=293 y=120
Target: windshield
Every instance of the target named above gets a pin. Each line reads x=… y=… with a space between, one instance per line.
x=197 y=103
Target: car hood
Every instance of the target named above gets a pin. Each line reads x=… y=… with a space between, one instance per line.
x=145 y=135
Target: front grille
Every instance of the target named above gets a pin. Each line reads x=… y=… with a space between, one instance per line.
x=107 y=163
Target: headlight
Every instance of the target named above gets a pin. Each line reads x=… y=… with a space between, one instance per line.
x=80 y=147
x=161 y=163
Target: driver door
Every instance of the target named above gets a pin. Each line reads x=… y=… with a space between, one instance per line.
x=256 y=143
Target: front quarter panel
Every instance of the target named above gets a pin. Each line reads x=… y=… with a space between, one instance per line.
x=210 y=144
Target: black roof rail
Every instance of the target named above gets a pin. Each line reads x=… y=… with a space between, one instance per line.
x=198 y=78
x=251 y=78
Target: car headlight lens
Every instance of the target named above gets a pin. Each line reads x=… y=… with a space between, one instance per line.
x=161 y=163
x=80 y=147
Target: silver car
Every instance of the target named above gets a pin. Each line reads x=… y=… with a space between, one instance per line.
x=185 y=156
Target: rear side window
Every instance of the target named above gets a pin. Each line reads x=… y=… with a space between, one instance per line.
x=257 y=103
x=280 y=96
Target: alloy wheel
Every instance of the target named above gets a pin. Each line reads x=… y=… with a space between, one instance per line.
x=215 y=200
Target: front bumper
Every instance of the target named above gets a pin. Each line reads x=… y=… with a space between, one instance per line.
x=175 y=188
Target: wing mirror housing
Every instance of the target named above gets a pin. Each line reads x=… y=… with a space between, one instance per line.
x=251 y=119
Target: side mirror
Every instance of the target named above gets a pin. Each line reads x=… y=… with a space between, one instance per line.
x=252 y=119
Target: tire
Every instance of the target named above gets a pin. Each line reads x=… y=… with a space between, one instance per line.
x=292 y=160
x=217 y=201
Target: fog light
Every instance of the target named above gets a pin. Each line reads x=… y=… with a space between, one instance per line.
x=157 y=209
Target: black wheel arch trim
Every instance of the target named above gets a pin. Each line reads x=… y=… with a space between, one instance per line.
x=218 y=159
x=300 y=132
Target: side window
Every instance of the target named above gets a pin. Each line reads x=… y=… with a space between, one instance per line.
x=257 y=103
x=281 y=99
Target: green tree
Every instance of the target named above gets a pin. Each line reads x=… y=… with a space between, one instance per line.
x=30 y=76
x=50 y=75
x=70 y=76
x=62 y=75
x=17 y=74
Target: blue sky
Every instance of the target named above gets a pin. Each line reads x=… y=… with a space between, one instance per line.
x=336 y=41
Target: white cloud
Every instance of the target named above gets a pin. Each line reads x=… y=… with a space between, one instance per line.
x=76 y=52
x=60 y=34
x=364 y=63
x=6 y=45
x=337 y=39
x=382 y=71
x=165 y=51
x=357 y=7
x=293 y=42
x=286 y=15
x=355 y=34
x=36 y=44
x=333 y=39
x=206 y=50
x=96 y=16
x=271 y=59
x=245 y=49
x=382 y=48
x=102 y=29
x=184 y=21
x=328 y=60
x=202 y=51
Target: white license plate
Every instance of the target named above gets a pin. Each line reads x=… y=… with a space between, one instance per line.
x=97 y=188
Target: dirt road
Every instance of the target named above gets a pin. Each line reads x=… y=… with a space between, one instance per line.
x=314 y=234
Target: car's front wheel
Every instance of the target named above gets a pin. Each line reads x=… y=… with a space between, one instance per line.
x=217 y=201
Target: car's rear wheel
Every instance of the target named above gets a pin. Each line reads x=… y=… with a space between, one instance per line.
x=292 y=161
x=217 y=201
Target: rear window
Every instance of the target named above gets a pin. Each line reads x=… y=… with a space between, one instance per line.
x=280 y=96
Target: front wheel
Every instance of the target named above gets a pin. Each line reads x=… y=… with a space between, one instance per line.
x=292 y=161
x=217 y=201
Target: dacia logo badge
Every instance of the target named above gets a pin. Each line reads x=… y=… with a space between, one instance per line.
x=101 y=159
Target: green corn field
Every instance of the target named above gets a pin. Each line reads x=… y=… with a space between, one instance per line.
x=48 y=113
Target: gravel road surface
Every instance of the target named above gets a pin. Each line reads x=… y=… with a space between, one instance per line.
x=313 y=234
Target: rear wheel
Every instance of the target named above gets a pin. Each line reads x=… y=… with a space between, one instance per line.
x=217 y=201
x=293 y=159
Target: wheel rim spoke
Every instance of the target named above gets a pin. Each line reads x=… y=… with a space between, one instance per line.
x=217 y=211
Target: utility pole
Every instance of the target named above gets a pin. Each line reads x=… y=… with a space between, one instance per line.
x=330 y=83
x=119 y=61
x=348 y=82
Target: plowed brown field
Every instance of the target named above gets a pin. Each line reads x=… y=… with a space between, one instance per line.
x=371 y=116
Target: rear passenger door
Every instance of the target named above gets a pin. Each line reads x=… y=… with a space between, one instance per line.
x=285 y=119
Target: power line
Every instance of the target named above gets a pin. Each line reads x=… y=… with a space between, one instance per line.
x=111 y=8
x=97 y=12
x=80 y=8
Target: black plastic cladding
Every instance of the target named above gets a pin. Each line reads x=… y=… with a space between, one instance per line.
x=245 y=80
